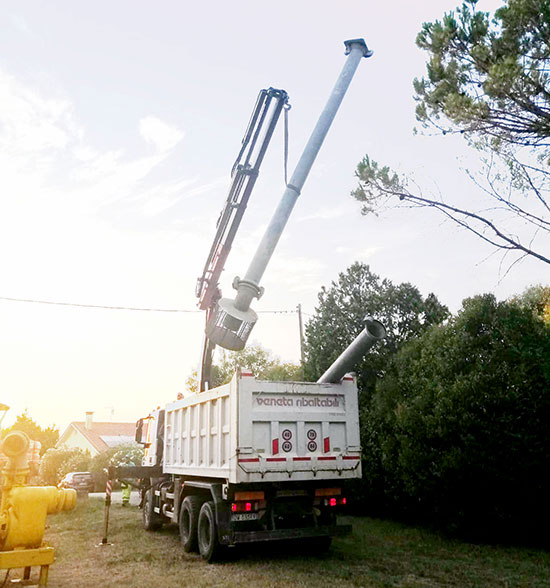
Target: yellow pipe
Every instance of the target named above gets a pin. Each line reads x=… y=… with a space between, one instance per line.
x=27 y=510
x=15 y=447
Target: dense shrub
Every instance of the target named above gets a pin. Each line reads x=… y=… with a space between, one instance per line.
x=457 y=433
x=126 y=454
x=57 y=462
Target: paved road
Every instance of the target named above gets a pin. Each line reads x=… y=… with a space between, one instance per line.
x=116 y=497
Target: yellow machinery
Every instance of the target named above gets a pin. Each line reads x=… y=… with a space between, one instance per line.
x=23 y=511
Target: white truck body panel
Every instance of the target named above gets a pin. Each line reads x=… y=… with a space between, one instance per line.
x=261 y=431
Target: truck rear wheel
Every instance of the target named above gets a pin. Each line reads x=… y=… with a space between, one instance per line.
x=151 y=520
x=188 y=522
x=209 y=546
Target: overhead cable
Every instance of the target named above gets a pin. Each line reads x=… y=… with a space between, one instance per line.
x=107 y=307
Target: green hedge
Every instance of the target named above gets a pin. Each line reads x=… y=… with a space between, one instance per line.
x=456 y=435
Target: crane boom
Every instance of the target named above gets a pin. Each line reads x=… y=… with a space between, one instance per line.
x=244 y=173
x=230 y=322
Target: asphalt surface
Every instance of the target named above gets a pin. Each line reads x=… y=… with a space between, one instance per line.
x=116 y=497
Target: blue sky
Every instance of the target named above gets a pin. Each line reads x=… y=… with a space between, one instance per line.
x=119 y=124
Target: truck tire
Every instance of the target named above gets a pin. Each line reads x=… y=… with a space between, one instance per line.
x=207 y=531
x=151 y=520
x=188 y=522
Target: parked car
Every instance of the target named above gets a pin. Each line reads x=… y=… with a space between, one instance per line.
x=82 y=482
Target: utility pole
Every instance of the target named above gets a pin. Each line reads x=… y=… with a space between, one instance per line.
x=301 y=326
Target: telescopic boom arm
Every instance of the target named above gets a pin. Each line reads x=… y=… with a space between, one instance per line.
x=243 y=177
x=229 y=322
x=244 y=173
x=232 y=320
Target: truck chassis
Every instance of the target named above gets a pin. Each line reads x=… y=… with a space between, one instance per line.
x=212 y=515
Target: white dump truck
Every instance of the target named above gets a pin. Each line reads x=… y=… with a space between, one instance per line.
x=254 y=460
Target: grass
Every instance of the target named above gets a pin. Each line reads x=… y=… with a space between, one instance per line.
x=378 y=554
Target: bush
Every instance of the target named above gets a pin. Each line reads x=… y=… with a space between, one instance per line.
x=56 y=463
x=457 y=434
x=127 y=454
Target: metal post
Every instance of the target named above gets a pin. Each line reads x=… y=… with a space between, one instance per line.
x=108 y=491
x=248 y=288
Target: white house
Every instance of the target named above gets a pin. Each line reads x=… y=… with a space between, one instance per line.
x=96 y=437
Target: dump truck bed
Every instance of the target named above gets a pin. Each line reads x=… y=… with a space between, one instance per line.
x=261 y=431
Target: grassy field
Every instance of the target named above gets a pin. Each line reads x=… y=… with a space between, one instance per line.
x=378 y=554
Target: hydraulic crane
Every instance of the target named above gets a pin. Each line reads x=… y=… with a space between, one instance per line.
x=244 y=173
x=229 y=322
x=255 y=460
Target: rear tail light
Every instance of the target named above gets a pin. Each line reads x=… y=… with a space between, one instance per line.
x=245 y=506
x=330 y=501
x=335 y=501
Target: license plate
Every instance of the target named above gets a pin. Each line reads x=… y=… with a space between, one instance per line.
x=245 y=516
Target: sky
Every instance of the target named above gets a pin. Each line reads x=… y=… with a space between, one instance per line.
x=119 y=124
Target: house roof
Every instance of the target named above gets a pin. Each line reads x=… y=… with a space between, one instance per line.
x=102 y=436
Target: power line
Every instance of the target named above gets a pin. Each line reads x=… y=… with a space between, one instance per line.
x=293 y=311
x=135 y=308
x=103 y=306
